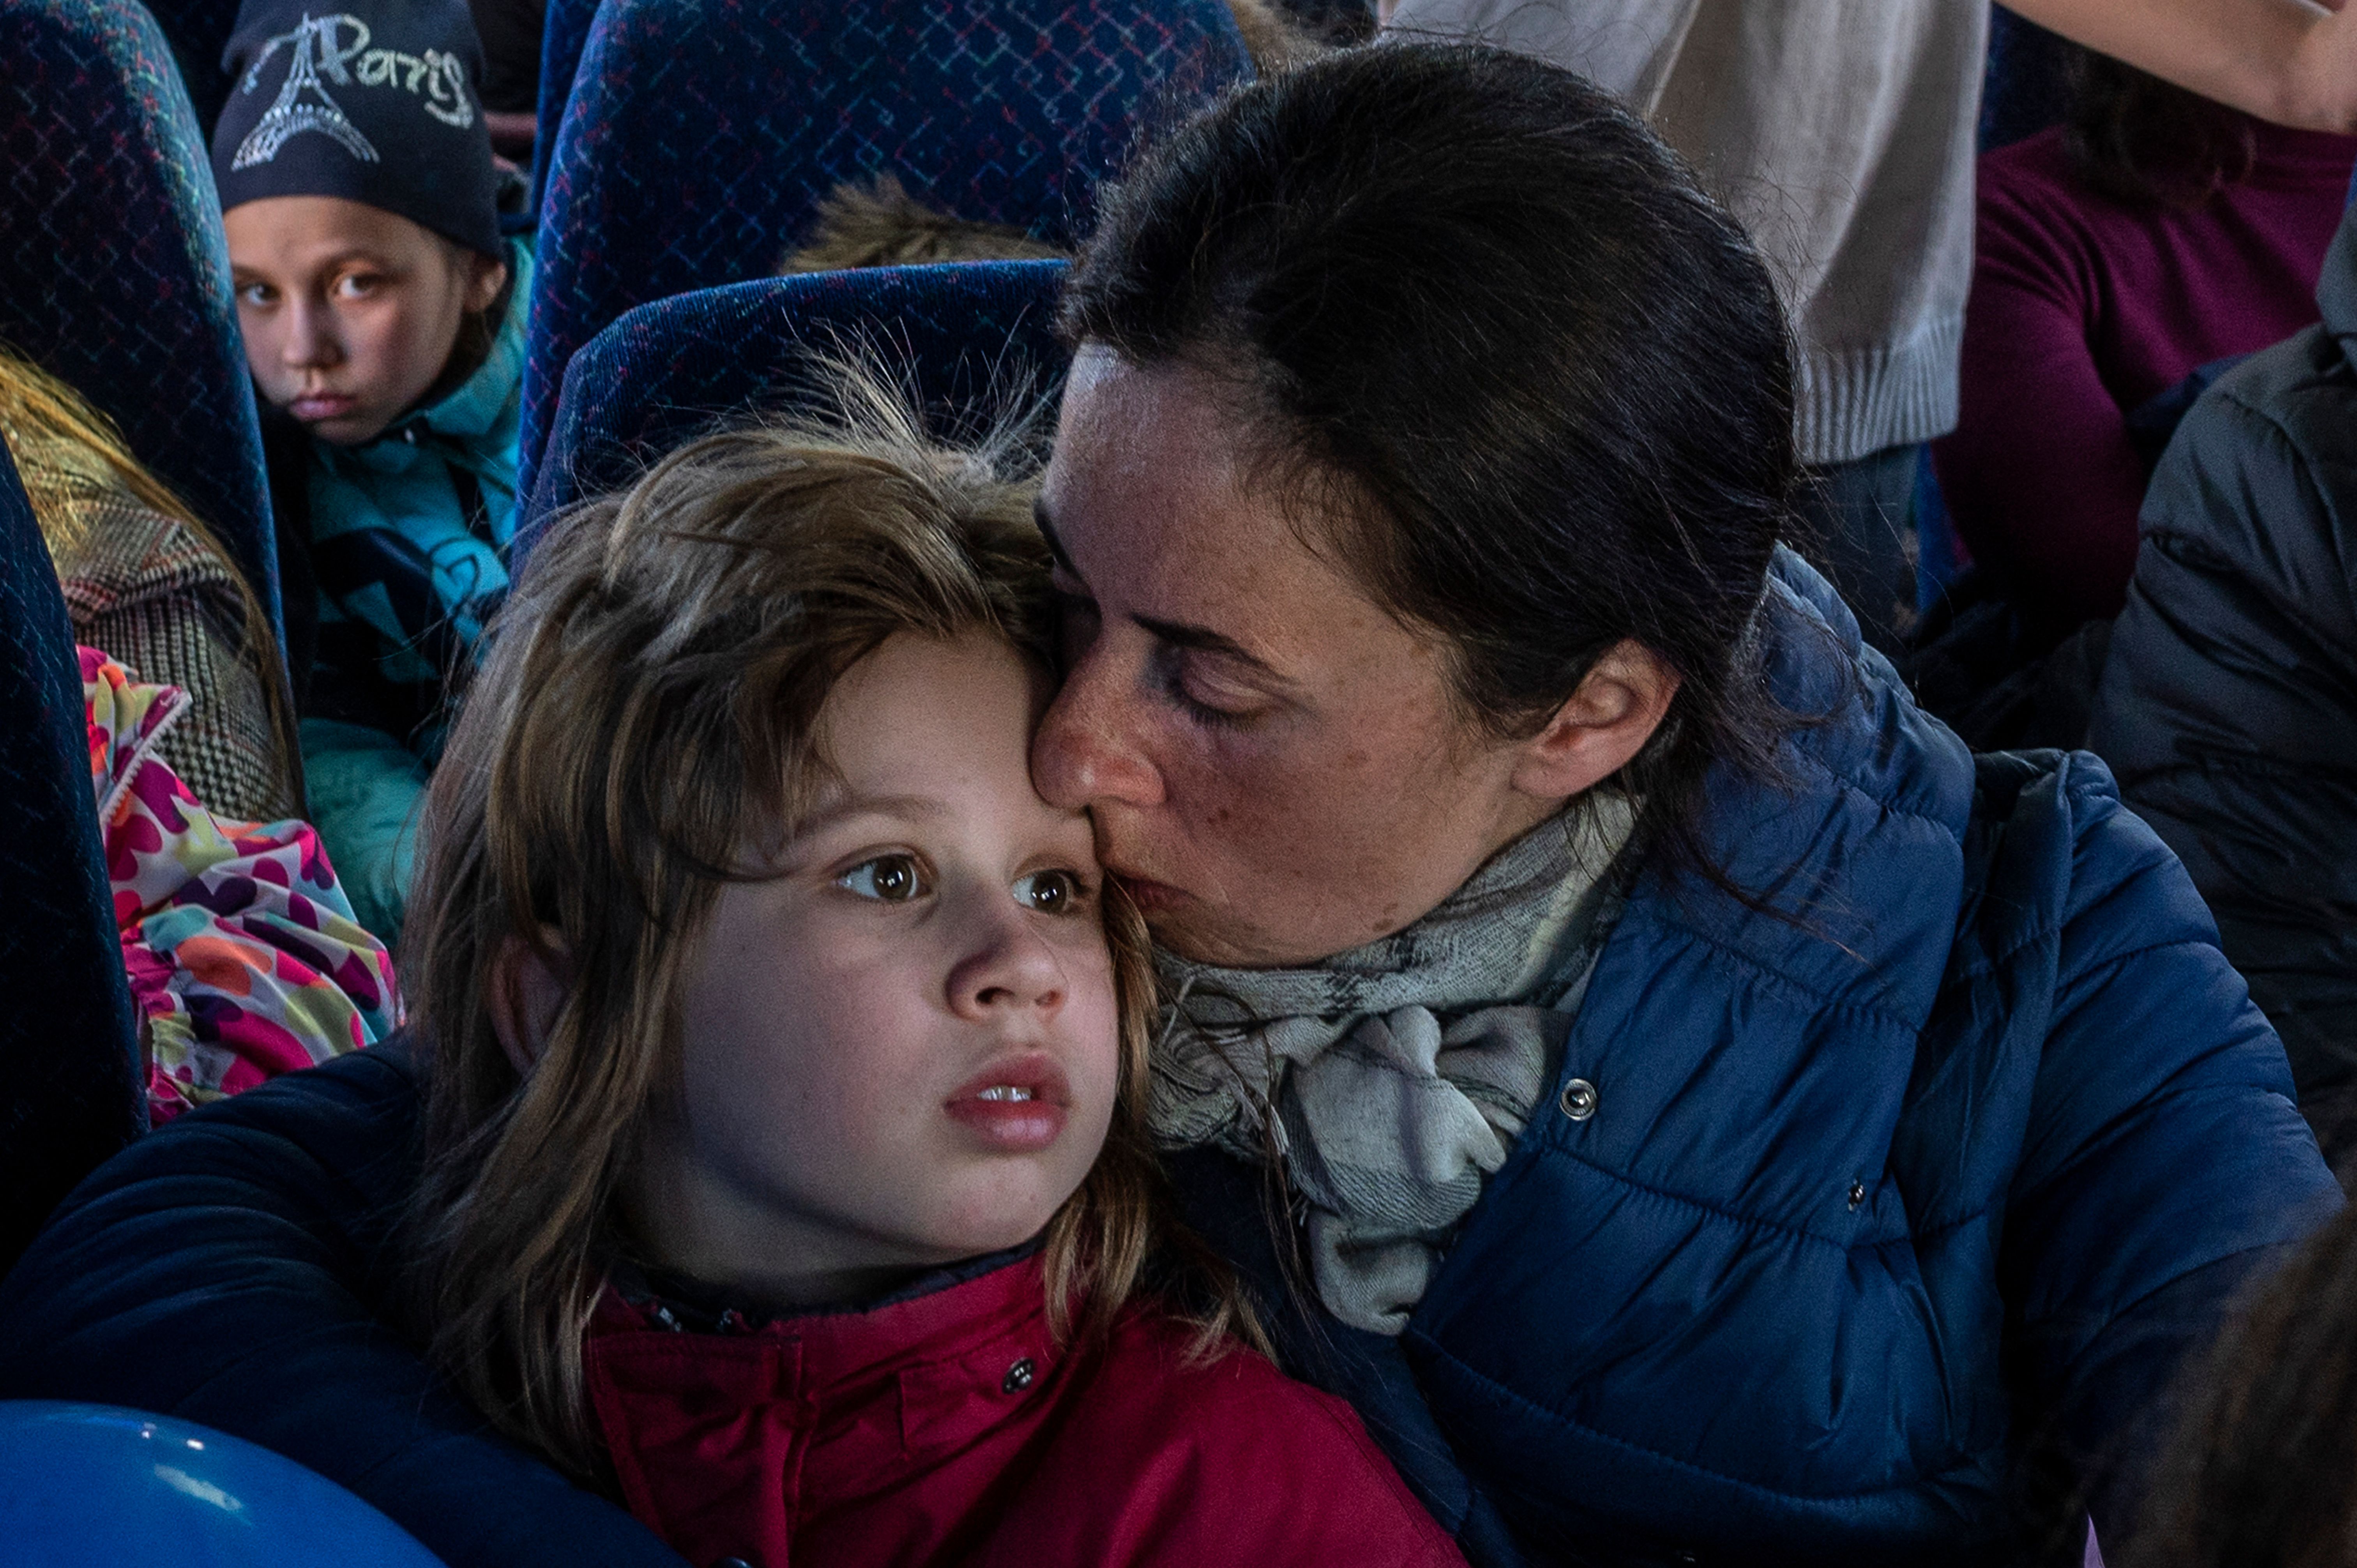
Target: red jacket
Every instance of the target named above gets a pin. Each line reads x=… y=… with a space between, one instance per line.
x=950 y=1429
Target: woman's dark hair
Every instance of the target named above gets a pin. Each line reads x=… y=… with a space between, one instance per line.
x=2262 y=1470
x=2140 y=140
x=1536 y=386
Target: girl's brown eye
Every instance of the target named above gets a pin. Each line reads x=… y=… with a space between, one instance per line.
x=888 y=879
x=1050 y=892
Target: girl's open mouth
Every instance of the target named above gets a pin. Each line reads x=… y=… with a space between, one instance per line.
x=1017 y=1104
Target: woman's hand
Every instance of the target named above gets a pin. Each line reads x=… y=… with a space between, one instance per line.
x=2291 y=61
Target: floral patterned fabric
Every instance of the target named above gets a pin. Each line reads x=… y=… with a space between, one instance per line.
x=243 y=957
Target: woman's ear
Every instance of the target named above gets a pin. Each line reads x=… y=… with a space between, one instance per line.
x=525 y=994
x=1600 y=727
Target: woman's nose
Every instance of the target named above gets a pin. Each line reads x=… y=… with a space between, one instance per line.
x=1085 y=752
x=1008 y=967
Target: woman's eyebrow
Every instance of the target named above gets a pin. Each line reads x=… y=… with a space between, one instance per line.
x=1048 y=533
x=1203 y=640
x=1177 y=633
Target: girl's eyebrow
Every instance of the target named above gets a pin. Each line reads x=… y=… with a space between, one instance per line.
x=841 y=808
x=349 y=255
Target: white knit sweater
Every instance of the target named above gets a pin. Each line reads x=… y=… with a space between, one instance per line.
x=1841 y=134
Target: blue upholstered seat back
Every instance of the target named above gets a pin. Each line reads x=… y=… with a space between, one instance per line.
x=70 y=1090
x=701 y=133
x=565 y=32
x=2024 y=91
x=113 y=271
x=965 y=334
x=197 y=31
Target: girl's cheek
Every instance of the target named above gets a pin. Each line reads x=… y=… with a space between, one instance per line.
x=1090 y=966
x=1100 y=1016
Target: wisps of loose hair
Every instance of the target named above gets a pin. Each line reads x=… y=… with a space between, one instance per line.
x=646 y=712
x=877 y=223
x=33 y=400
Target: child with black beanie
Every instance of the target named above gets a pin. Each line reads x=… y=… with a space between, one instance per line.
x=383 y=314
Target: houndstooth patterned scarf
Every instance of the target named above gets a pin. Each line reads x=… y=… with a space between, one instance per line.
x=1400 y=1073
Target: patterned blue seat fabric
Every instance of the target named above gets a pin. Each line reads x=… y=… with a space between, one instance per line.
x=701 y=133
x=197 y=31
x=665 y=372
x=113 y=270
x=69 y=1086
x=565 y=32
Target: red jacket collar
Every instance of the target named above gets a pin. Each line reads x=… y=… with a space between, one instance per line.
x=708 y=1432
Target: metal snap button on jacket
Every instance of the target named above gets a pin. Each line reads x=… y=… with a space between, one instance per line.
x=1579 y=1100
x=1018 y=1376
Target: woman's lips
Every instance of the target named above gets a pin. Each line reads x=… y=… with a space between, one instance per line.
x=314 y=407
x=1018 y=1105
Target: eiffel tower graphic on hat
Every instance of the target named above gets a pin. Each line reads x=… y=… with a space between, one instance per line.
x=291 y=114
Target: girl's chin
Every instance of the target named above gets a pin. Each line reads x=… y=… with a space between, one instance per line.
x=997 y=1215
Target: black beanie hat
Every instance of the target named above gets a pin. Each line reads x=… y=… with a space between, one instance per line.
x=377 y=104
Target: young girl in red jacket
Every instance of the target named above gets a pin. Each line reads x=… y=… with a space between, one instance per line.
x=786 y=1168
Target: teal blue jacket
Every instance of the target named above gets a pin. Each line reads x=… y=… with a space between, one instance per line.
x=409 y=538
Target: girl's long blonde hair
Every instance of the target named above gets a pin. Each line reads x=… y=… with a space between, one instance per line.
x=645 y=712
x=37 y=404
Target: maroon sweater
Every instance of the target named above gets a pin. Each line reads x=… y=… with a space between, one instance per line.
x=2082 y=309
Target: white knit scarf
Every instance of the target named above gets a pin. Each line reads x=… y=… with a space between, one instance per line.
x=1401 y=1072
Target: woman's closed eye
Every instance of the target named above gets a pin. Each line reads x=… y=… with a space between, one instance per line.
x=1194 y=683
x=897 y=878
x=1055 y=892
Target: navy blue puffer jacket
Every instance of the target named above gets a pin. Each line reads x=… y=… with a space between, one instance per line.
x=1963 y=1152
x=1936 y=1166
